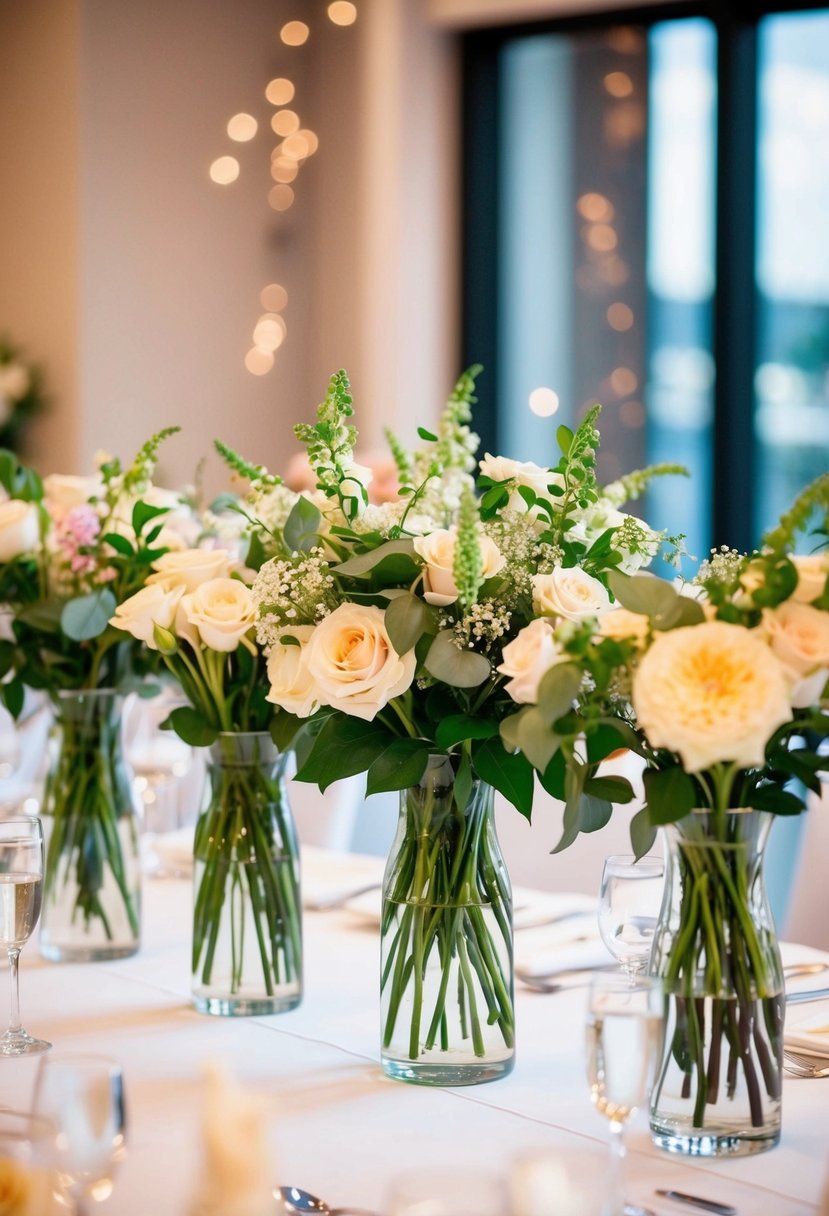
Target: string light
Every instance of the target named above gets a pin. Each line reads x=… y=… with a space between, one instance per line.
x=242 y=127
x=224 y=170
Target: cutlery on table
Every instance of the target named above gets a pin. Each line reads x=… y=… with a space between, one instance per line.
x=696 y=1201
x=293 y=1201
x=793 y=970
x=813 y=994
x=338 y=899
x=801 y=1064
x=550 y=981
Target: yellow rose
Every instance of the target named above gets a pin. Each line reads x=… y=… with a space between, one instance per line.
x=189 y=568
x=19 y=528
x=812 y=573
x=798 y=635
x=222 y=610
x=711 y=692
x=527 y=658
x=438 y=552
x=292 y=685
x=569 y=593
x=154 y=604
x=353 y=664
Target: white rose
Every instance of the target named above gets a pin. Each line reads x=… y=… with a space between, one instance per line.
x=63 y=491
x=189 y=568
x=570 y=593
x=353 y=663
x=438 y=552
x=155 y=604
x=711 y=692
x=222 y=610
x=19 y=528
x=812 y=573
x=621 y=623
x=798 y=635
x=292 y=685
x=527 y=658
x=14 y=381
x=522 y=473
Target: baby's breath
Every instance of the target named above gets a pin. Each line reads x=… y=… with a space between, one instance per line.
x=483 y=626
x=292 y=592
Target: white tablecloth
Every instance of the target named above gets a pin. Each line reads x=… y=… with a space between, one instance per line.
x=338 y=1127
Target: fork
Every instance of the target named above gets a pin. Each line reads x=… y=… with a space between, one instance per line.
x=799 y=1064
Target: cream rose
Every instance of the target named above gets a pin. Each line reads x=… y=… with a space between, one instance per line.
x=522 y=473
x=438 y=552
x=222 y=610
x=292 y=685
x=153 y=605
x=812 y=573
x=527 y=658
x=570 y=593
x=353 y=664
x=798 y=635
x=189 y=568
x=621 y=623
x=63 y=491
x=711 y=692
x=19 y=528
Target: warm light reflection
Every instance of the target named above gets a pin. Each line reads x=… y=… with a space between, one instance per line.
x=618 y=84
x=283 y=169
x=280 y=197
x=632 y=414
x=224 y=170
x=620 y=317
x=258 y=362
x=544 y=402
x=274 y=297
x=625 y=38
x=311 y=140
x=269 y=333
x=623 y=381
x=294 y=33
x=242 y=127
x=342 y=12
x=601 y=237
x=295 y=147
x=614 y=271
x=280 y=91
x=596 y=208
x=285 y=122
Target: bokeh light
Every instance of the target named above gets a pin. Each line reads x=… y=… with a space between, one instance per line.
x=242 y=127
x=544 y=402
x=224 y=170
x=274 y=297
x=280 y=197
x=624 y=381
x=342 y=12
x=280 y=91
x=294 y=33
x=283 y=169
x=285 y=122
x=258 y=362
x=620 y=317
x=618 y=84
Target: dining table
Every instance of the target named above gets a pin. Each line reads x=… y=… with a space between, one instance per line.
x=336 y=1125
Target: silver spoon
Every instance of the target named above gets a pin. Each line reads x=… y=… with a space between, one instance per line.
x=293 y=1201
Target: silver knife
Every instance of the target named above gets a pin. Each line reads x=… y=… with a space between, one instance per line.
x=694 y=1201
x=814 y=994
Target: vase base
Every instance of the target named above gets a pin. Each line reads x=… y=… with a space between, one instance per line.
x=86 y=954
x=477 y=1072
x=245 y=1007
x=715 y=1143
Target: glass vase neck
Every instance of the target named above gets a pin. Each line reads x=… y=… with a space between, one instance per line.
x=245 y=748
x=86 y=706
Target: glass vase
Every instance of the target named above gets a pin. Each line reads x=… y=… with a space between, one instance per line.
x=247 y=924
x=92 y=880
x=718 y=1089
x=446 y=965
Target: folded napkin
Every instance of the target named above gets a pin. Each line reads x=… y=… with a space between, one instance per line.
x=564 y=956
x=807 y=1028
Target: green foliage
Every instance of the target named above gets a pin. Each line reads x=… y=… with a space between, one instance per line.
x=256 y=474
x=814 y=498
x=468 y=562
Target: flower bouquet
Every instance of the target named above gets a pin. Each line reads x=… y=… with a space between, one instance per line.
x=721 y=690
x=197 y=612
x=69 y=550
x=401 y=633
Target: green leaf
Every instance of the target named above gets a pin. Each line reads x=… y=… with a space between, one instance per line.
x=670 y=794
x=460 y=727
x=655 y=598
x=344 y=746
x=463 y=782
x=302 y=526
x=564 y=437
x=393 y=560
x=511 y=775
x=13 y=695
x=614 y=789
x=190 y=726
x=87 y=616
x=537 y=739
x=553 y=778
x=283 y=728
x=402 y=764
x=642 y=833
x=779 y=802
x=119 y=543
x=406 y=619
x=459 y=668
x=594 y=813
x=558 y=690
x=142 y=513
x=427 y=435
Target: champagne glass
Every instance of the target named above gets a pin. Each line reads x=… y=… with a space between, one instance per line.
x=630 y=896
x=624 y=1033
x=21 y=884
x=83 y=1095
x=27 y=1163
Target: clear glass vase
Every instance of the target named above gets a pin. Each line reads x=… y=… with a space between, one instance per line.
x=718 y=1088
x=447 y=971
x=92 y=881
x=247 y=923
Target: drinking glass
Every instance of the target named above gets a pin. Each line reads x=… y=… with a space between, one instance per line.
x=630 y=896
x=84 y=1097
x=27 y=1164
x=447 y=1192
x=21 y=885
x=624 y=1039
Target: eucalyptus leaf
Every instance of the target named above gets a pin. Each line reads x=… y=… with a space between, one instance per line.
x=406 y=619
x=669 y=794
x=190 y=726
x=558 y=690
x=87 y=616
x=459 y=668
x=642 y=833
x=613 y=789
x=537 y=739
x=302 y=526
x=364 y=564
x=459 y=727
x=642 y=593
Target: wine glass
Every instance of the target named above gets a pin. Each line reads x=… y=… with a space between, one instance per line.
x=27 y=1163
x=21 y=885
x=630 y=896
x=84 y=1097
x=624 y=1034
